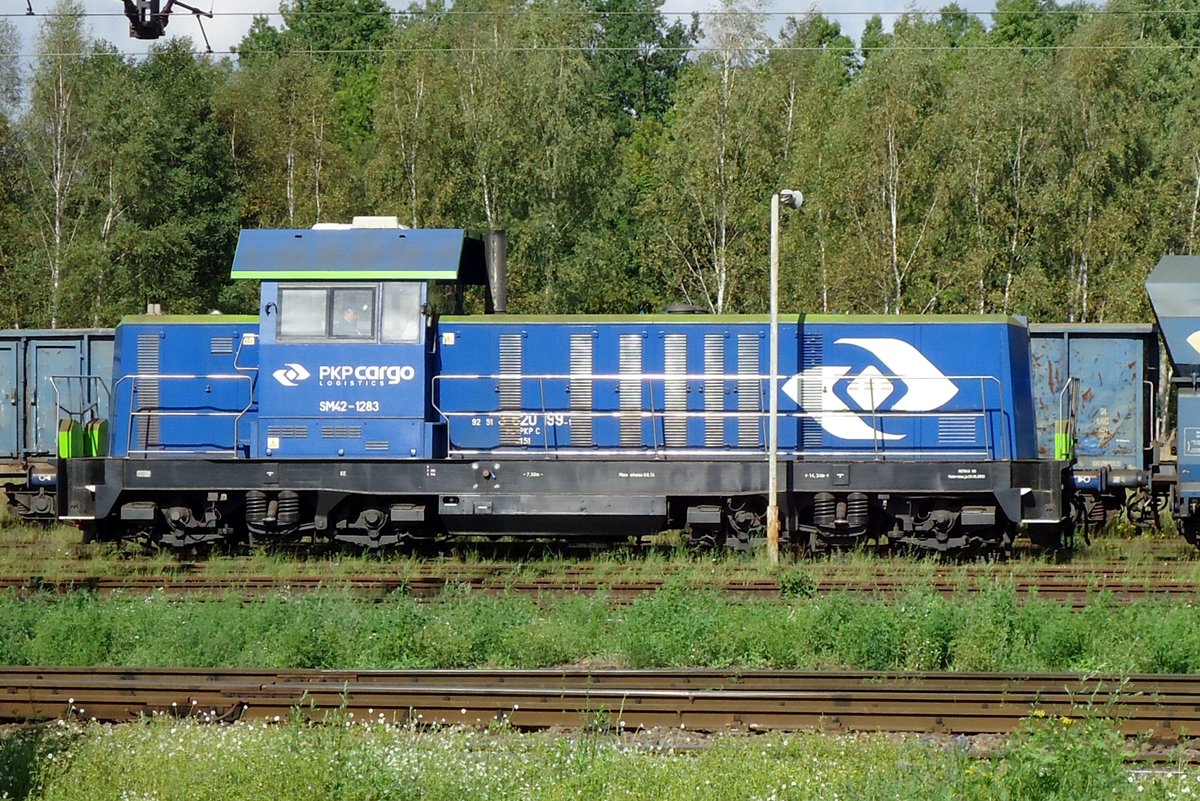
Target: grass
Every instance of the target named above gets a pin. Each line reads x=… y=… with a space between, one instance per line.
x=166 y=759
x=56 y=552
x=991 y=630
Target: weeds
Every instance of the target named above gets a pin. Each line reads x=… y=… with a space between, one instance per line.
x=1063 y=759
x=796 y=582
x=678 y=626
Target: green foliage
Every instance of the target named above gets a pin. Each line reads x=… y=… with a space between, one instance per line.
x=27 y=757
x=1039 y=166
x=1056 y=758
x=797 y=583
x=638 y=58
x=343 y=759
x=676 y=627
x=342 y=36
x=178 y=236
x=281 y=116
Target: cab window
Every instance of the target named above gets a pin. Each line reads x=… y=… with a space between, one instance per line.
x=353 y=314
x=314 y=313
x=302 y=313
x=401 y=312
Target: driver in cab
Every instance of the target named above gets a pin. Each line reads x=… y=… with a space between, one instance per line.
x=354 y=323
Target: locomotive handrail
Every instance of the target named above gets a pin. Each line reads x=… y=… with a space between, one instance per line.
x=877 y=415
x=246 y=340
x=988 y=449
x=159 y=412
x=84 y=382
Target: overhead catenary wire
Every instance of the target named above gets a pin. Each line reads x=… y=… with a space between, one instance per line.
x=764 y=47
x=804 y=12
x=759 y=48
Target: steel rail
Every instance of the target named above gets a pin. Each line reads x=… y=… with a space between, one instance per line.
x=1166 y=707
x=1075 y=592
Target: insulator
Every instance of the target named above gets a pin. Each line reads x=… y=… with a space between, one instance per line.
x=289 y=508
x=824 y=510
x=857 y=510
x=256 y=506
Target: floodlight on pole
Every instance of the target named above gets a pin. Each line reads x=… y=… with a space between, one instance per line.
x=792 y=199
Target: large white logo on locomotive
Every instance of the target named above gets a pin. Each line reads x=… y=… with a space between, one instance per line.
x=291 y=374
x=925 y=389
x=346 y=375
x=364 y=375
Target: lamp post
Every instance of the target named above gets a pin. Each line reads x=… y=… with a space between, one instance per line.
x=791 y=198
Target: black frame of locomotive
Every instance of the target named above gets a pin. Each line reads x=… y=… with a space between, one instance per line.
x=187 y=502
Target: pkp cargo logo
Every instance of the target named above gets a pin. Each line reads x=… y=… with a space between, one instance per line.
x=291 y=374
x=925 y=389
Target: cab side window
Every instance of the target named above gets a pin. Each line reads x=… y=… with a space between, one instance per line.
x=401 y=312
x=302 y=313
x=353 y=314
x=316 y=313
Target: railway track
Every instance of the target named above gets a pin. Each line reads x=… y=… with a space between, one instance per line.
x=1074 y=591
x=1165 y=707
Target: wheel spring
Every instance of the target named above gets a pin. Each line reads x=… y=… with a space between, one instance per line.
x=256 y=506
x=289 y=508
x=824 y=510
x=856 y=510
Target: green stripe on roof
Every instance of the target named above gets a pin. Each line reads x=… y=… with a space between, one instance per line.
x=707 y=319
x=175 y=319
x=609 y=318
x=928 y=319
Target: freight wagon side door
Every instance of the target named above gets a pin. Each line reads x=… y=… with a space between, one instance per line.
x=43 y=360
x=1051 y=371
x=1094 y=375
x=10 y=400
x=1110 y=424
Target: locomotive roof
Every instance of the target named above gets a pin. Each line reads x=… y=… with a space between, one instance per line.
x=408 y=254
x=703 y=319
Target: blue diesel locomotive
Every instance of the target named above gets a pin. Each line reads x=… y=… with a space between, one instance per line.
x=351 y=411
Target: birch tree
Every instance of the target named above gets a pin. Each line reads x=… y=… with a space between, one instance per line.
x=710 y=195
x=280 y=124
x=497 y=131
x=55 y=144
x=887 y=156
x=806 y=84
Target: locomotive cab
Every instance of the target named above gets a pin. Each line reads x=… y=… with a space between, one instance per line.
x=346 y=350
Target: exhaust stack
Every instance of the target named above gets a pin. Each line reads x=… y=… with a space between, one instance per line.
x=495 y=246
